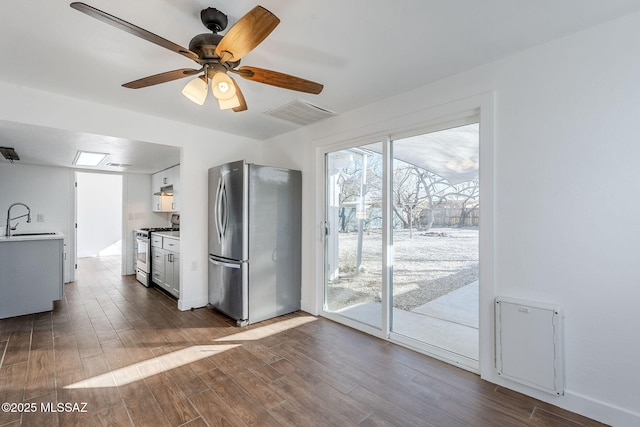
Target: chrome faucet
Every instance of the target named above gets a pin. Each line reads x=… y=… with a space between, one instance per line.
x=9 y=219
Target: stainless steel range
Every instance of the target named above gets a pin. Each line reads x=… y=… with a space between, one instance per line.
x=143 y=249
x=143 y=256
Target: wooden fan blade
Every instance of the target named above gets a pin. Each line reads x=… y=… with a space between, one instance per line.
x=161 y=78
x=275 y=78
x=243 y=103
x=133 y=29
x=246 y=34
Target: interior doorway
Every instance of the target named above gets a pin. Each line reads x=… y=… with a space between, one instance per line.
x=402 y=239
x=98 y=215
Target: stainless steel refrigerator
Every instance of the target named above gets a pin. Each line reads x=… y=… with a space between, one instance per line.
x=255 y=216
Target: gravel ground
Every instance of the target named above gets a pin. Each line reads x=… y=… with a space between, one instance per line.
x=426 y=265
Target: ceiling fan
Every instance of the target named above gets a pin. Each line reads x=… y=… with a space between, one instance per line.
x=216 y=54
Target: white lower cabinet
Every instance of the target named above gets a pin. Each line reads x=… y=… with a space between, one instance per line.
x=172 y=273
x=157 y=265
x=165 y=263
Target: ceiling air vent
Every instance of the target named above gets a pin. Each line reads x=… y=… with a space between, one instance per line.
x=118 y=165
x=300 y=112
x=9 y=153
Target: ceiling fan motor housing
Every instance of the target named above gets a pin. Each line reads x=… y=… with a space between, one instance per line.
x=213 y=19
x=204 y=45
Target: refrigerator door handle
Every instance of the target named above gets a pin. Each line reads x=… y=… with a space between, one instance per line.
x=224 y=264
x=224 y=214
x=216 y=210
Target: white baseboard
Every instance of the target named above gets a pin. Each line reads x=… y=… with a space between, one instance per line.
x=580 y=404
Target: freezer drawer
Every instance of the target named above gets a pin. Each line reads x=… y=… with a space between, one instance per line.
x=228 y=288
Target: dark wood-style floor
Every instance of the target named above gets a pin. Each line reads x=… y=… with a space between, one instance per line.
x=135 y=360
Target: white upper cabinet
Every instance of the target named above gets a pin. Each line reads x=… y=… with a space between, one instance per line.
x=176 y=189
x=162 y=179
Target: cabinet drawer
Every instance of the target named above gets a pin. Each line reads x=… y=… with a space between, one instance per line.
x=157 y=276
x=156 y=241
x=172 y=245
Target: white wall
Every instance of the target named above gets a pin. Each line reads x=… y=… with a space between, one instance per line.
x=99 y=214
x=566 y=212
x=48 y=192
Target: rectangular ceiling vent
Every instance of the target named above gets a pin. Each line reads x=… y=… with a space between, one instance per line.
x=9 y=153
x=300 y=112
x=118 y=165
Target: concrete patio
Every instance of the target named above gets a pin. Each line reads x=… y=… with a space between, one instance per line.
x=449 y=322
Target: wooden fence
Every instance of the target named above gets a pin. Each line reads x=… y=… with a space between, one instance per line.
x=450 y=217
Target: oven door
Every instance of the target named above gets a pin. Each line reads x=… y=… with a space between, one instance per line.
x=143 y=260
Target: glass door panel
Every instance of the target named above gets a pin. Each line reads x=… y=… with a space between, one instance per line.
x=353 y=239
x=435 y=226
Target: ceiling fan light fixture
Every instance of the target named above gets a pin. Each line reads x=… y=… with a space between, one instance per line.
x=226 y=104
x=217 y=54
x=222 y=87
x=196 y=90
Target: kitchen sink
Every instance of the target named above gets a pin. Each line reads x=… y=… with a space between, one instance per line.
x=34 y=234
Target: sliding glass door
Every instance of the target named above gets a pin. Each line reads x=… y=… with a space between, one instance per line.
x=402 y=238
x=435 y=205
x=353 y=243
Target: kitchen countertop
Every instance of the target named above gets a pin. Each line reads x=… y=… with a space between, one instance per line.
x=172 y=234
x=29 y=238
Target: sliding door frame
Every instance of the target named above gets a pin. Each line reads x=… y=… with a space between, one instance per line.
x=404 y=340
x=479 y=106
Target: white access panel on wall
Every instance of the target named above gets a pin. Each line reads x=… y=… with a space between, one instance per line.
x=529 y=344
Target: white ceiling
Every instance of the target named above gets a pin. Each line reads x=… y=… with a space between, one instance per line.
x=361 y=50
x=36 y=145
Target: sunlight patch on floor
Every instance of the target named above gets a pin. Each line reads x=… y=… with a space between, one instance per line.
x=151 y=367
x=268 y=330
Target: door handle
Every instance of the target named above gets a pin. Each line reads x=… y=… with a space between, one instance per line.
x=225 y=211
x=325 y=230
x=224 y=264
x=216 y=210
